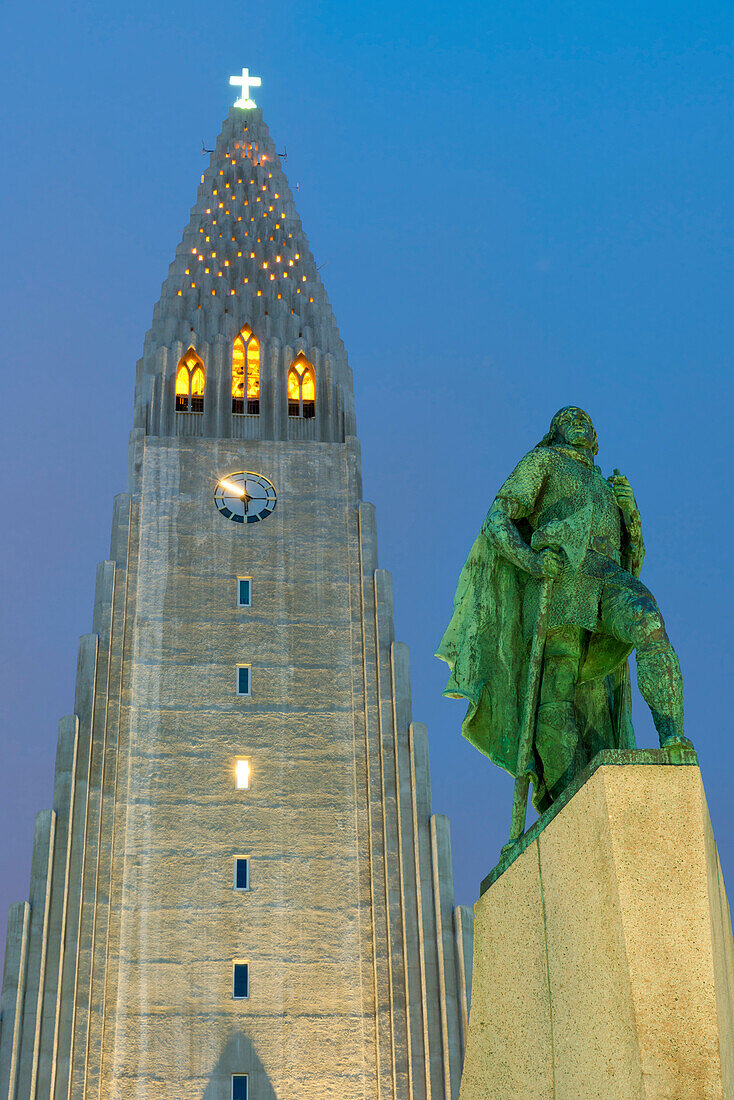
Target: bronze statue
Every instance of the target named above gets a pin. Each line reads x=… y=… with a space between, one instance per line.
x=548 y=608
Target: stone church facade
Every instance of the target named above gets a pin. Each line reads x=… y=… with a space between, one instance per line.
x=241 y=892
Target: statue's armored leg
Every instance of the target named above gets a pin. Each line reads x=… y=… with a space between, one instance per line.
x=632 y=615
x=557 y=731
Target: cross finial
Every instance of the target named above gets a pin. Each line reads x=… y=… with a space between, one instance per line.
x=246 y=82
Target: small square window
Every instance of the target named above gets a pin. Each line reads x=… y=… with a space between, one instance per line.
x=244 y=591
x=243 y=774
x=240 y=981
x=243 y=679
x=242 y=872
x=239 y=1086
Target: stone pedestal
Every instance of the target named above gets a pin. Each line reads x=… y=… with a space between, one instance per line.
x=603 y=955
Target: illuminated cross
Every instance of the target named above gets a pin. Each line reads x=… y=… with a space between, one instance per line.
x=246 y=82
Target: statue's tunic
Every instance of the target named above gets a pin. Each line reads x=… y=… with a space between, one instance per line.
x=554 y=484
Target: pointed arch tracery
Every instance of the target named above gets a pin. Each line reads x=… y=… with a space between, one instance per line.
x=246 y=372
x=190 y=378
x=301 y=388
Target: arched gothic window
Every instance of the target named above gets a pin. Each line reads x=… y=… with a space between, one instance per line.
x=190 y=383
x=246 y=372
x=301 y=388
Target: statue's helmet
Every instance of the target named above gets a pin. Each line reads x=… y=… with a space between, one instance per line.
x=556 y=431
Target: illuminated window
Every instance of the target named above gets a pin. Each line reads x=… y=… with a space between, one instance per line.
x=301 y=388
x=239 y=1086
x=246 y=372
x=244 y=591
x=241 y=873
x=190 y=383
x=240 y=980
x=242 y=774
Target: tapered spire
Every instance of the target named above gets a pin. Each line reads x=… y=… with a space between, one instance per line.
x=244 y=252
x=244 y=259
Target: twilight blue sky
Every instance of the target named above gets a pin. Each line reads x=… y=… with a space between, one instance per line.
x=520 y=205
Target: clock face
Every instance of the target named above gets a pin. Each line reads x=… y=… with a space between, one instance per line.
x=245 y=497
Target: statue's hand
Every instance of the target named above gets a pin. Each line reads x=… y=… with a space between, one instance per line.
x=547 y=563
x=624 y=496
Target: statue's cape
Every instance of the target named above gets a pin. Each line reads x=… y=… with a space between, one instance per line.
x=487 y=653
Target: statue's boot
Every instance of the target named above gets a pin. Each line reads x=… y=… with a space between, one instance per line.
x=661 y=686
x=556 y=737
x=670 y=731
x=557 y=732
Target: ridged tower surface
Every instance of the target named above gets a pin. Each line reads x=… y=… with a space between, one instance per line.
x=119 y=975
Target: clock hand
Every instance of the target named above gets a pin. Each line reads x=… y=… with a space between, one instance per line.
x=232 y=488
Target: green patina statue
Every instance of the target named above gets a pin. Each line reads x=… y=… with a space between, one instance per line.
x=548 y=608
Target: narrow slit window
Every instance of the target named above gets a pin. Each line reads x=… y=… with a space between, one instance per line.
x=301 y=388
x=246 y=373
x=240 y=981
x=239 y=1086
x=190 y=383
x=242 y=873
x=244 y=591
x=243 y=774
x=243 y=679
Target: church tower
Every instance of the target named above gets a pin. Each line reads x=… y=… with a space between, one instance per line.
x=241 y=892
